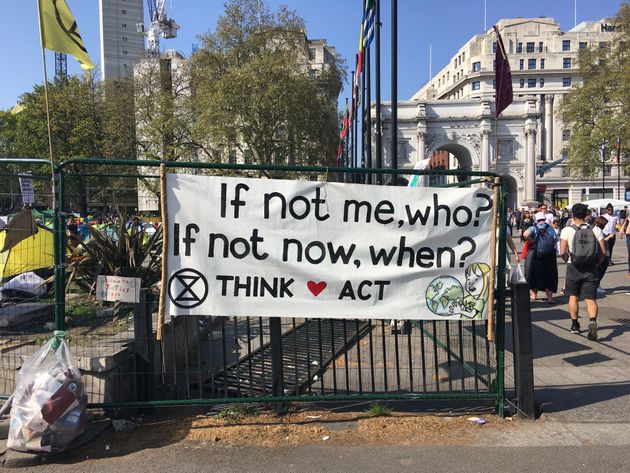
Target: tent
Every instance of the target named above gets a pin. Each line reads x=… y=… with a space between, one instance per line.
x=34 y=253
x=602 y=203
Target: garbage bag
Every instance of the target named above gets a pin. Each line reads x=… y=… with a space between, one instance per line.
x=49 y=400
x=25 y=285
x=517 y=276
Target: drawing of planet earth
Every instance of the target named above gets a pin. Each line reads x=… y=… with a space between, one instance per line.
x=442 y=292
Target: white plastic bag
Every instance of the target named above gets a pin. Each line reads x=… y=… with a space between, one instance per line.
x=517 y=276
x=49 y=401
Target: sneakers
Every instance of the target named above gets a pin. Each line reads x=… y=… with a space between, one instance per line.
x=575 y=326
x=592 y=330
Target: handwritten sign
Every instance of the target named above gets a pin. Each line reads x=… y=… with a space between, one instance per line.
x=117 y=288
x=265 y=247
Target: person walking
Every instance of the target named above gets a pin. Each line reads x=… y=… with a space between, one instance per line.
x=582 y=247
x=541 y=268
x=601 y=223
x=610 y=229
x=623 y=215
x=626 y=230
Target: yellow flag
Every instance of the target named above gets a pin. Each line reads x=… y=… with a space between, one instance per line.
x=60 y=33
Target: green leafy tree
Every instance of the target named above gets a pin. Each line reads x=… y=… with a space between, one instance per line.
x=88 y=119
x=254 y=95
x=598 y=110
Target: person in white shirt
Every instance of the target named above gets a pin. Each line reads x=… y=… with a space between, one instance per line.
x=581 y=280
x=610 y=229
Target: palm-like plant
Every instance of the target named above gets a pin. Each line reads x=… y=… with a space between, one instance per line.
x=116 y=252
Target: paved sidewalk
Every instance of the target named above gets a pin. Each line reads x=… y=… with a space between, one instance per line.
x=578 y=380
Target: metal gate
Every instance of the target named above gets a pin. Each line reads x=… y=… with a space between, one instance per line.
x=204 y=360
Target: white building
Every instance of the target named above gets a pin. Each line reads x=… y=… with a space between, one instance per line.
x=543 y=63
x=121 y=44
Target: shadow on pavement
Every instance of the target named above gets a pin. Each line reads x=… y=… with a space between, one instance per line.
x=564 y=398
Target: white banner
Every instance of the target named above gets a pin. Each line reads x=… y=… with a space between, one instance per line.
x=264 y=247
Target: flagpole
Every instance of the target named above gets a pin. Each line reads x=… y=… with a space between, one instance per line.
x=363 y=114
x=619 y=170
x=347 y=157
x=394 y=74
x=58 y=237
x=368 y=115
x=377 y=85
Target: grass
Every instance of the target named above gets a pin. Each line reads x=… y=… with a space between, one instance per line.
x=234 y=414
x=379 y=410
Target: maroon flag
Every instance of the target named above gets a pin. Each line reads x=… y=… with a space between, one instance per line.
x=503 y=77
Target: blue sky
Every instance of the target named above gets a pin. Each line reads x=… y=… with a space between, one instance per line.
x=445 y=24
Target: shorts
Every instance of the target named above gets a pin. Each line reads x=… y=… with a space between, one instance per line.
x=581 y=282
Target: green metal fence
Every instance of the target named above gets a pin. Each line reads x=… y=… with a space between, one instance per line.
x=205 y=360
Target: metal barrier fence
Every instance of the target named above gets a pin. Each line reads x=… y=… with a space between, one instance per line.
x=233 y=359
x=26 y=263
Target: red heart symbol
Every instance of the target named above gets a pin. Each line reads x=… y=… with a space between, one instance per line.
x=316 y=287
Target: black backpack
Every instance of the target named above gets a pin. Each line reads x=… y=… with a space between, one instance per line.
x=545 y=243
x=585 y=247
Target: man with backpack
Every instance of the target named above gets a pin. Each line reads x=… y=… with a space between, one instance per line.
x=582 y=247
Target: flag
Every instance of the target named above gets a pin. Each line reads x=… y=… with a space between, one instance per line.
x=368 y=22
x=59 y=31
x=618 y=149
x=503 y=77
x=344 y=133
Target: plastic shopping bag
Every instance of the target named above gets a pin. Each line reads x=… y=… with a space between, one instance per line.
x=517 y=276
x=49 y=400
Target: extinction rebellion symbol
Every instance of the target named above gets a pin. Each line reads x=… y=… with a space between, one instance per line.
x=187 y=288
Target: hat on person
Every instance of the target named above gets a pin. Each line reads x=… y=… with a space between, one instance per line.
x=540 y=216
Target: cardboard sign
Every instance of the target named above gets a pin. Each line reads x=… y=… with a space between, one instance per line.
x=264 y=247
x=118 y=288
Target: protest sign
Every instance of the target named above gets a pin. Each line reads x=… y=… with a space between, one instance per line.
x=26 y=187
x=118 y=288
x=265 y=247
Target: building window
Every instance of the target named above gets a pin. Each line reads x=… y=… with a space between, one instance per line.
x=124 y=51
x=124 y=12
x=475 y=85
x=540 y=47
x=542 y=82
x=566 y=82
x=566 y=45
x=531 y=64
x=608 y=170
x=583 y=44
x=566 y=63
x=519 y=47
x=542 y=63
x=522 y=83
x=494 y=83
x=124 y=38
x=602 y=44
x=312 y=54
x=530 y=47
x=566 y=134
x=531 y=83
x=494 y=64
x=312 y=73
x=232 y=157
x=476 y=66
x=124 y=25
x=521 y=64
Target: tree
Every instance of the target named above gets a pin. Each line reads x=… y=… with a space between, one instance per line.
x=598 y=111
x=88 y=119
x=253 y=92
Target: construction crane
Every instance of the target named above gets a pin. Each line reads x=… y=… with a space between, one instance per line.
x=161 y=25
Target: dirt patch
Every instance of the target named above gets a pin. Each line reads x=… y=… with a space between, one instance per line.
x=308 y=427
